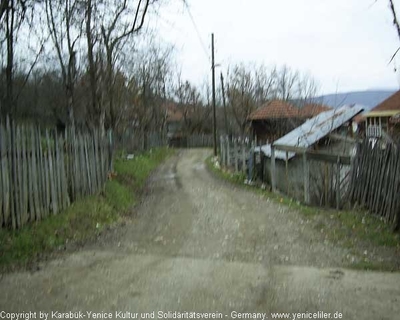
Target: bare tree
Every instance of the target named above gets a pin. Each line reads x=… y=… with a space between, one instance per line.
x=241 y=95
x=116 y=28
x=287 y=81
x=250 y=87
x=64 y=23
x=12 y=13
x=193 y=110
x=150 y=71
x=396 y=25
x=14 y=16
x=265 y=84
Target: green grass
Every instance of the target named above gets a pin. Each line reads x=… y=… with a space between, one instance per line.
x=372 y=266
x=138 y=170
x=83 y=219
x=118 y=195
x=353 y=229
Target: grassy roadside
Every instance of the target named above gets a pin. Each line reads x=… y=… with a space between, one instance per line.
x=85 y=218
x=357 y=231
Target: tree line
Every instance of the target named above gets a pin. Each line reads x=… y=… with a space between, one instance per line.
x=96 y=64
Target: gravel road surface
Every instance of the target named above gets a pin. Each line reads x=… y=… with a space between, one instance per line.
x=199 y=244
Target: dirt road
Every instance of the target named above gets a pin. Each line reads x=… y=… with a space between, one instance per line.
x=199 y=244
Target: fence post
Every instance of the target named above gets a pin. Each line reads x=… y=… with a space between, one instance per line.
x=338 y=183
x=225 y=151
x=253 y=156
x=243 y=156
x=228 y=161
x=326 y=184
x=287 y=171
x=306 y=173
x=236 y=153
x=273 y=172
x=221 y=153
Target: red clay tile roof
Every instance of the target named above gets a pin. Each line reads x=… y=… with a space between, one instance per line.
x=313 y=109
x=277 y=109
x=391 y=103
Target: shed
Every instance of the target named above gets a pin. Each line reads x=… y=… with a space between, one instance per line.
x=289 y=155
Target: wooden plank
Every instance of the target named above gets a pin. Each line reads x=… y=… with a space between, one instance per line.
x=24 y=161
x=59 y=163
x=13 y=172
x=273 y=169
x=382 y=178
x=306 y=176
x=286 y=172
x=236 y=155
x=3 y=188
x=35 y=181
x=52 y=184
x=228 y=162
x=326 y=157
x=7 y=173
x=18 y=182
x=83 y=172
x=76 y=160
x=101 y=157
x=289 y=148
x=338 y=184
x=243 y=156
x=43 y=175
x=87 y=165
x=64 y=180
x=31 y=186
x=221 y=150
x=94 y=162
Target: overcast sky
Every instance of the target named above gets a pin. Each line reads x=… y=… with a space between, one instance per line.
x=344 y=44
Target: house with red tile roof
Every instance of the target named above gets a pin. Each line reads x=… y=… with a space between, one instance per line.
x=383 y=120
x=277 y=117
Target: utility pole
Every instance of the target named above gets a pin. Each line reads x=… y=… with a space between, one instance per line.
x=224 y=103
x=213 y=95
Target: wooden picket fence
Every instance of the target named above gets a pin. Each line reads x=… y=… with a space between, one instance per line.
x=43 y=171
x=133 y=141
x=200 y=141
x=375 y=180
x=234 y=153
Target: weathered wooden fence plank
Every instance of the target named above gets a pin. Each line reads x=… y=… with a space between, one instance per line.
x=42 y=173
x=375 y=180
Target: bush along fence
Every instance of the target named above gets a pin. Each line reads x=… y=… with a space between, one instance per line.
x=375 y=180
x=43 y=171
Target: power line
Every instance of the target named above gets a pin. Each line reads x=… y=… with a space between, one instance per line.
x=197 y=30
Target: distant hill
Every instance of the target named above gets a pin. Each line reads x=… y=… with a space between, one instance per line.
x=369 y=98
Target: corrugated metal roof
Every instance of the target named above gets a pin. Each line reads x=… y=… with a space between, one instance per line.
x=266 y=149
x=318 y=127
